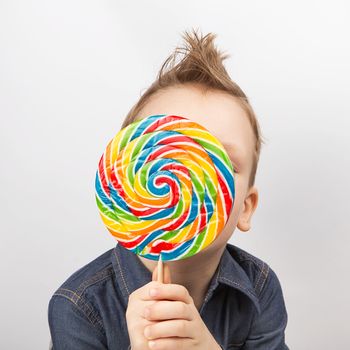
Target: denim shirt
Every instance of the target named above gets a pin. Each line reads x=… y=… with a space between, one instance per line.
x=243 y=307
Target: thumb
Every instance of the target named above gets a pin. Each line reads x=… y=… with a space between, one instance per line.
x=166 y=274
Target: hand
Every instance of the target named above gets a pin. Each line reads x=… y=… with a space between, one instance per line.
x=175 y=320
x=138 y=300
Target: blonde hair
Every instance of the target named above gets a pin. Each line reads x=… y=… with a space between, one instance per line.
x=201 y=63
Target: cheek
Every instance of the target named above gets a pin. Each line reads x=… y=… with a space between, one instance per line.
x=230 y=225
x=229 y=228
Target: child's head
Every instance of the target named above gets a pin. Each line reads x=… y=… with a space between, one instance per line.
x=199 y=87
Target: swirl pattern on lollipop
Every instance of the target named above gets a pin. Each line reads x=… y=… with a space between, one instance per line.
x=165 y=185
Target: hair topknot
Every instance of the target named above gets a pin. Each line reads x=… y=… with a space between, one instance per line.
x=199 y=61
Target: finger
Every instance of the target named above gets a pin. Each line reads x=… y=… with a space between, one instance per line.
x=171 y=292
x=166 y=274
x=167 y=310
x=174 y=343
x=170 y=328
x=143 y=292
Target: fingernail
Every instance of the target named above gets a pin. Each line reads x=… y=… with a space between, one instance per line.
x=153 y=292
x=147 y=332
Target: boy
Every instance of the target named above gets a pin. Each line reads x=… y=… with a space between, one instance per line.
x=220 y=298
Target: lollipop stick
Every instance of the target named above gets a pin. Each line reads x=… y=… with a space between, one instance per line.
x=160 y=269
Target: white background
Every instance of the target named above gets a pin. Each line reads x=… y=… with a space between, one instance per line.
x=71 y=70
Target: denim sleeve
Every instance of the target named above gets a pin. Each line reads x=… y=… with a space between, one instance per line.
x=268 y=327
x=70 y=327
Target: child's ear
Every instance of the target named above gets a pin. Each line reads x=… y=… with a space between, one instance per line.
x=166 y=274
x=250 y=204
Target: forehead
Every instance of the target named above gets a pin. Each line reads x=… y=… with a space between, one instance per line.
x=217 y=111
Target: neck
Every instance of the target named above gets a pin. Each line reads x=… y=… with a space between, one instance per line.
x=194 y=273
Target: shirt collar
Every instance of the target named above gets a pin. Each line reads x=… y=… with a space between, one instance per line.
x=233 y=275
x=132 y=274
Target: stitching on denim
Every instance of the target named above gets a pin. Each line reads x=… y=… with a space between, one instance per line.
x=259 y=277
x=121 y=272
x=94 y=314
x=210 y=290
x=94 y=319
x=263 y=268
x=84 y=304
x=97 y=277
x=77 y=299
x=90 y=312
x=216 y=281
x=239 y=285
x=266 y=274
x=64 y=294
x=263 y=271
x=70 y=291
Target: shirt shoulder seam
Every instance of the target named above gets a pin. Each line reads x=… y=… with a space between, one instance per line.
x=77 y=298
x=82 y=306
x=95 y=278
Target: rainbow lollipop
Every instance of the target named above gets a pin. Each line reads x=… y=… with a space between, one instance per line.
x=165 y=185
